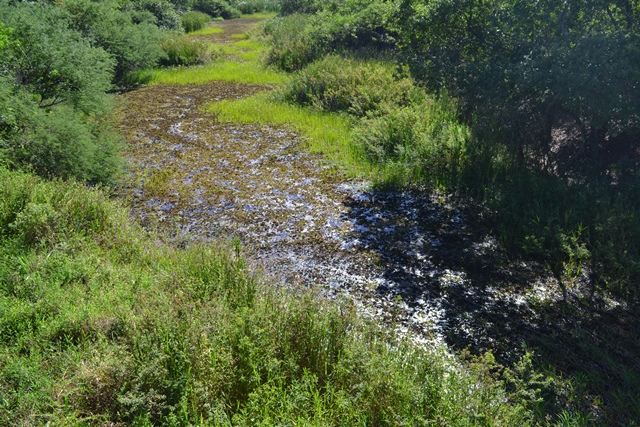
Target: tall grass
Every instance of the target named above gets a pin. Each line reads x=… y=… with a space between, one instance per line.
x=185 y=51
x=194 y=21
x=101 y=325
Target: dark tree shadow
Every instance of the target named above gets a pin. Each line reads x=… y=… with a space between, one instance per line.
x=440 y=256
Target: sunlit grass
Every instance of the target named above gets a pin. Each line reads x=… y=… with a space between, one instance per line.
x=245 y=50
x=230 y=71
x=326 y=133
x=207 y=31
x=261 y=15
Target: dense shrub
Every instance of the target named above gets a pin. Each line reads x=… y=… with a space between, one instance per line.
x=60 y=141
x=166 y=16
x=36 y=211
x=51 y=60
x=194 y=21
x=293 y=43
x=52 y=97
x=290 y=7
x=132 y=40
x=423 y=142
x=298 y=39
x=356 y=87
x=217 y=8
x=183 y=51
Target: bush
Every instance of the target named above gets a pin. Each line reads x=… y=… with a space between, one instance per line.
x=183 y=51
x=356 y=87
x=423 y=142
x=132 y=40
x=51 y=60
x=166 y=16
x=290 y=7
x=293 y=44
x=194 y=21
x=59 y=142
x=350 y=26
x=217 y=9
x=35 y=211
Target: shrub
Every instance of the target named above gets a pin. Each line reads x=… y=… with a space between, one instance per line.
x=290 y=7
x=217 y=8
x=424 y=142
x=51 y=60
x=293 y=45
x=37 y=211
x=194 y=21
x=166 y=16
x=182 y=51
x=298 y=39
x=356 y=87
x=130 y=37
x=59 y=142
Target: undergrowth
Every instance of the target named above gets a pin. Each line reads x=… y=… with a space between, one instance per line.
x=101 y=325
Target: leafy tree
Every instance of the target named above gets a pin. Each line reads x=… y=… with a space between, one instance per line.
x=525 y=67
x=130 y=37
x=53 y=103
x=216 y=8
x=51 y=60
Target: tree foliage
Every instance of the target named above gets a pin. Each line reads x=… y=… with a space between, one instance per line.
x=131 y=37
x=529 y=67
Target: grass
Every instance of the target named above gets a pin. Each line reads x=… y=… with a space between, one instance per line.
x=245 y=50
x=103 y=325
x=260 y=15
x=231 y=71
x=207 y=31
x=250 y=70
x=326 y=133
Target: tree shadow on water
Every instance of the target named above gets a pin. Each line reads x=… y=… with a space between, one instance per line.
x=440 y=257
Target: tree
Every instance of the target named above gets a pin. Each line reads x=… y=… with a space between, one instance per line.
x=524 y=67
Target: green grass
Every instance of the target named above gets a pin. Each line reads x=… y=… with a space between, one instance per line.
x=261 y=15
x=326 y=133
x=245 y=50
x=230 y=71
x=207 y=31
x=102 y=325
